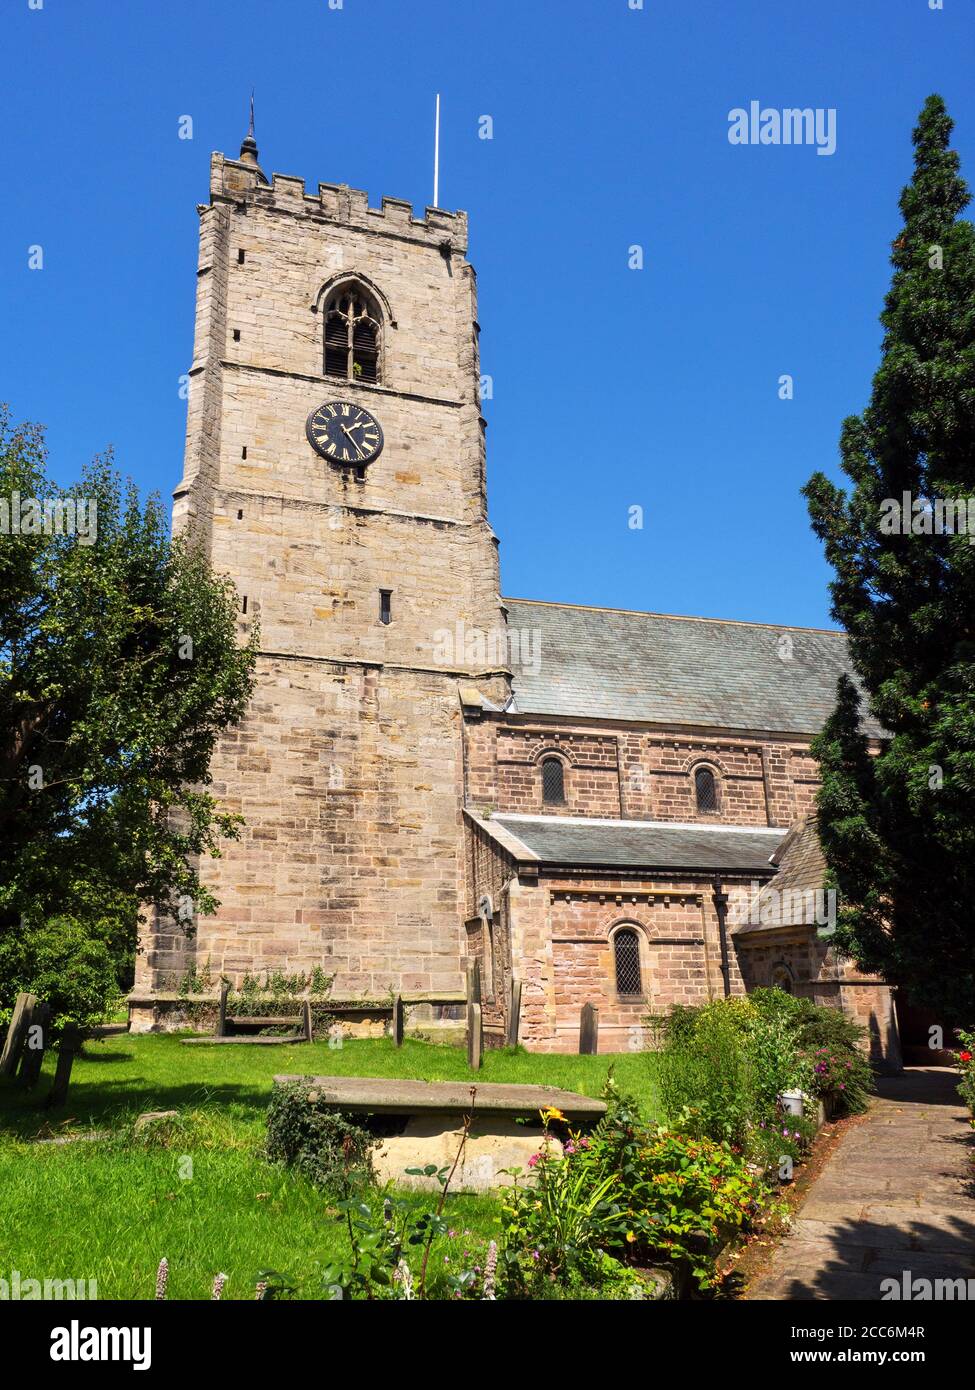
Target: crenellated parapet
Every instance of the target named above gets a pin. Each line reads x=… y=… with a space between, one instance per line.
x=235 y=181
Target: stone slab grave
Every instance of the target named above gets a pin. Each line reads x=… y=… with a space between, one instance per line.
x=232 y=1029
x=421 y=1122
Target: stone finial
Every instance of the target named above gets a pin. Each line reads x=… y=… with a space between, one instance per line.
x=248 y=146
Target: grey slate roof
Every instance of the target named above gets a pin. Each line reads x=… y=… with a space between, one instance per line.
x=791 y=903
x=576 y=842
x=648 y=667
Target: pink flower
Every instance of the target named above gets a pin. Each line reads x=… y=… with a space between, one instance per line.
x=533 y=1160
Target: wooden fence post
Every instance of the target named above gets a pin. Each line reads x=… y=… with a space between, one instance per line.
x=514 y=1014
x=32 y=1058
x=14 y=1044
x=70 y=1045
x=222 y=1010
x=475 y=1037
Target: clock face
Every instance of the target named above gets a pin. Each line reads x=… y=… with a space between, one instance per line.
x=344 y=433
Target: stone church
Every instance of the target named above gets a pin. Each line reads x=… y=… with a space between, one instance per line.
x=598 y=804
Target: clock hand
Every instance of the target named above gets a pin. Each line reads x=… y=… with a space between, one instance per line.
x=352 y=441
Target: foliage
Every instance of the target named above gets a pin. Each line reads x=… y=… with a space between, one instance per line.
x=838 y=1075
x=966 y=1063
x=62 y=963
x=897 y=830
x=723 y=1066
x=706 y=1076
x=327 y=1147
x=119 y=668
x=633 y=1191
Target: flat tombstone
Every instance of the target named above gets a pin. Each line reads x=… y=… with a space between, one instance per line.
x=398 y=1021
x=589 y=1031
x=34 y=1044
x=16 y=1033
x=475 y=1037
x=514 y=1014
x=474 y=982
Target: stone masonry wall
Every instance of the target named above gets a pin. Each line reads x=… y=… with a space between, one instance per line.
x=562 y=930
x=348 y=769
x=637 y=774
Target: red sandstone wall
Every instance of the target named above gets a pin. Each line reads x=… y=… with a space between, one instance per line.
x=636 y=774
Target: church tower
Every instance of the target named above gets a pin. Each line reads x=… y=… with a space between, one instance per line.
x=335 y=469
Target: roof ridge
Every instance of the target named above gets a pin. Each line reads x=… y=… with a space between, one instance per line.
x=679 y=617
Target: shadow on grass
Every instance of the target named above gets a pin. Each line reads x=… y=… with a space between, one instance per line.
x=25 y=1115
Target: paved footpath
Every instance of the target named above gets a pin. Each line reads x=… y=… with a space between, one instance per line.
x=897 y=1195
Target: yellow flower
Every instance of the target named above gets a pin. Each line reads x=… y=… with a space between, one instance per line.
x=550 y=1113
x=630 y=1237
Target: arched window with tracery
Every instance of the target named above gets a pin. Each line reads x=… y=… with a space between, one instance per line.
x=353 y=338
x=626 y=955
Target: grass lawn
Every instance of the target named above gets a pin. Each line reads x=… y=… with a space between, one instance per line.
x=205 y=1198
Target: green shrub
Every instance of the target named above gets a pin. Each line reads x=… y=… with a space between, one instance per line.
x=330 y=1149
x=63 y=964
x=705 y=1078
x=723 y=1066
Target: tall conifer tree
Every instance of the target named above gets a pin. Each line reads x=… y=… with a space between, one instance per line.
x=898 y=830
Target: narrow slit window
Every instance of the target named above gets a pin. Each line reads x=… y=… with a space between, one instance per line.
x=385 y=606
x=243 y=604
x=553 y=782
x=705 y=789
x=243 y=452
x=236 y=335
x=240 y=256
x=626 y=952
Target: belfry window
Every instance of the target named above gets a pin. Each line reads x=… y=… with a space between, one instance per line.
x=351 y=336
x=553 y=782
x=626 y=951
x=705 y=789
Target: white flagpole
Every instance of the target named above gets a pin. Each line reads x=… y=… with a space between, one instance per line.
x=436 y=157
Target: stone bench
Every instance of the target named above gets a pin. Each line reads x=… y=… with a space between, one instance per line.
x=421 y=1122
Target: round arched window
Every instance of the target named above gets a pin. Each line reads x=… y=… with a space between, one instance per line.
x=553 y=782
x=705 y=789
x=626 y=952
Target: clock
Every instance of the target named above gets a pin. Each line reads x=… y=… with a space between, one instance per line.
x=344 y=433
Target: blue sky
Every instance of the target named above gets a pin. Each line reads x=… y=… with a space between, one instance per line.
x=610 y=130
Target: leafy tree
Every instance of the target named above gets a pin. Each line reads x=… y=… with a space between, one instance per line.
x=898 y=829
x=119 y=667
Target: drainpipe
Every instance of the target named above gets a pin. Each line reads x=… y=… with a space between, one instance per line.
x=721 y=907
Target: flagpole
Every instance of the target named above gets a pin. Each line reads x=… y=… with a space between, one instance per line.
x=436 y=156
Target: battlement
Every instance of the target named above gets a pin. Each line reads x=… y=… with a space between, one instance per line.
x=232 y=180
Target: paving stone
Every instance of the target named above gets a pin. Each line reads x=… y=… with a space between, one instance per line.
x=895 y=1196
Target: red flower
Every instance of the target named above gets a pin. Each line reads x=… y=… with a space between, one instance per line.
x=965 y=1056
